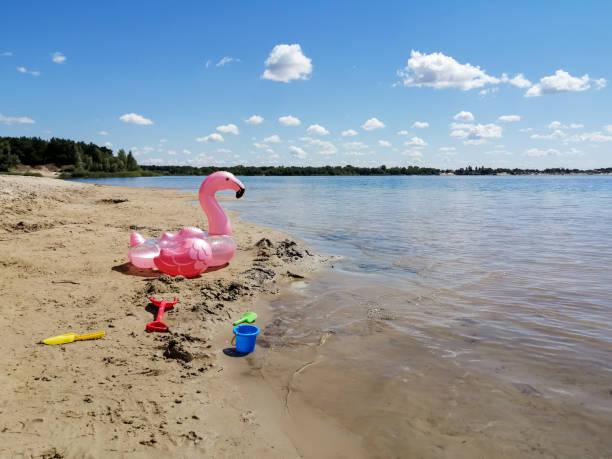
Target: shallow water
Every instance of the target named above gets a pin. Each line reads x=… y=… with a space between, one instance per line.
x=507 y=276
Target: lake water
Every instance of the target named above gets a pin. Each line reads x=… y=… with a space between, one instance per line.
x=509 y=276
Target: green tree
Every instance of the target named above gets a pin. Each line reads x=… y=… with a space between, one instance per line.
x=132 y=165
x=122 y=160
x=8 y=159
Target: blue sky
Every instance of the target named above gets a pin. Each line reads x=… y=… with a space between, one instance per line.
x=447 y=84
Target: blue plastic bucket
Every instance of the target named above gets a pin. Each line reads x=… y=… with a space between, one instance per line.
x=245 y=337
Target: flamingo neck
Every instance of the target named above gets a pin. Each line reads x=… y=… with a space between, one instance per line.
x=218 y=223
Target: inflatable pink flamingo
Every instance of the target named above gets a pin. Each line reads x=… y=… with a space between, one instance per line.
x=191 y=251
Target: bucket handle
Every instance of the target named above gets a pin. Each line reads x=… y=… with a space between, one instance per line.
x=233 y=341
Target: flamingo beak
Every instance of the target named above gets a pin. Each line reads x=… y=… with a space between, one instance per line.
x=241 y=188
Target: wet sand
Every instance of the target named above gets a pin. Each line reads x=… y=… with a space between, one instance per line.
x=353 y=388
x=400 y=398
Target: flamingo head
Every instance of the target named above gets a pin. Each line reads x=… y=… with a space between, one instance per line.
x=222 y=180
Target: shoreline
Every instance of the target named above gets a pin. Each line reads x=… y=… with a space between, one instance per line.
x=66 y=270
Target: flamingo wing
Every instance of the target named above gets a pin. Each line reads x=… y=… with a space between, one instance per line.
x=191 y=258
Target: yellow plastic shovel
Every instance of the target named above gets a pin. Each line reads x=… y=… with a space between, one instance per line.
x=70 y=337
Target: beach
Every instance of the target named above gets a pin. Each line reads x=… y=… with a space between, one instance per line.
x=64 y=268
x=333 y=375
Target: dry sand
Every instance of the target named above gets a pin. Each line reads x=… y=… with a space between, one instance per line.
x=63 y=268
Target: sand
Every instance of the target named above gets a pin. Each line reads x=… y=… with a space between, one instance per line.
x=63 y=268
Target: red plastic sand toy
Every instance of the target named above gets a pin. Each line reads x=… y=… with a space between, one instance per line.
x=157 y=325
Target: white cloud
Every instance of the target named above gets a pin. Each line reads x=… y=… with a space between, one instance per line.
x=16 y=120
x=509 y=118
x=373 y=123
x=103 y=133
x=420 y=124
x=210 y=138
x=499 y=150
x=439 y=71
x=317 y=129
x=484 y=92
x=562 y=81
x=139 y=151
x=226 y=60
x=464 y=116
x=6 y=53
x=29 y=72
x=286 y=63
x=187 y=152
x=272 y=139
x=534 y=152
x=58 y=57
x=574 y=152
x=108 y=144
x=297 y=152
x=559 y=125
x=608 y=128
x=597 y=136
x=289 y=120
x=519 y=81
x=260 y=145
x=172 y=152
x=557 y=134
x=228 y=129
x=223 y=150
x=416 y=142
x=475 y=134
x=135 y=119
x=384 y=143
x=207 y=64
x=324 y=147
x=354 y=145
x=354 y=153
x=155 y=161
x=349 y=133
x=404 y=132
x=414 y=154
x=255 y=119
x=446 y=149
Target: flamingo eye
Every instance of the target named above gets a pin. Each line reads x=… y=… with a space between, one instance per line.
x=227 y=179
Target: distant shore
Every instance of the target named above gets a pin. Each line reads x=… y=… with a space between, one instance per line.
x=365 y=171
x=146 y=171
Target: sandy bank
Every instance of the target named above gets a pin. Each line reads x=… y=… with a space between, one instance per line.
x=63 y=268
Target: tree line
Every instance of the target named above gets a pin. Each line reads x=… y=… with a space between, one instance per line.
x=469 y=170
x=80 y=159
x=292 y=170
x=353 y=170
x=75 y=158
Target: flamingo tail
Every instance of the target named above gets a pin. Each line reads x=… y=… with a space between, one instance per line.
x=136 y=239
